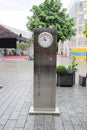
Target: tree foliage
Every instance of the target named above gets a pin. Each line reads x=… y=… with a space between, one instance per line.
x=85 y=30
x=22 y=46
x=50 y=13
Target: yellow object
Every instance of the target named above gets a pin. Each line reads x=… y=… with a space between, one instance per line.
x=79 y=52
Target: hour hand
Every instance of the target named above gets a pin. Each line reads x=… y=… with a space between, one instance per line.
x=44 y=39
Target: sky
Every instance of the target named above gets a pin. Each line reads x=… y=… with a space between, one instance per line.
x=14 y=13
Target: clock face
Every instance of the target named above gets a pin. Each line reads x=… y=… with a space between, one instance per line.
x=45 y=39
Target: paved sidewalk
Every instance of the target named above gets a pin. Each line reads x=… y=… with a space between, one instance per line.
x=16 y=80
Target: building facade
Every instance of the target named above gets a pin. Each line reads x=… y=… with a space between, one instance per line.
x=77 y=10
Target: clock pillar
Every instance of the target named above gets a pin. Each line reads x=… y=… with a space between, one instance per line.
x=45 y=71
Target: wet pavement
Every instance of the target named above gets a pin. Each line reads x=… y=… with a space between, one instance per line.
x=16 y=97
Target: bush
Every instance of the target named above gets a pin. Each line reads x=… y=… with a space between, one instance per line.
x=61 y=69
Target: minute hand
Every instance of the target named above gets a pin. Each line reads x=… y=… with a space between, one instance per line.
x=45 y=39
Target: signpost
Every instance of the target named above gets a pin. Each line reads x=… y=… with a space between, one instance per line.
x=44 y=71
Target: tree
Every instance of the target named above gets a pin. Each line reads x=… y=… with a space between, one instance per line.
x=22 y=46
x=85 y=30
x=51 y=13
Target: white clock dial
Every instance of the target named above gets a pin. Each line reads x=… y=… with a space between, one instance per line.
x=45 y=39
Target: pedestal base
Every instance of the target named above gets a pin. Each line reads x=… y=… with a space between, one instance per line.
x=44 y=112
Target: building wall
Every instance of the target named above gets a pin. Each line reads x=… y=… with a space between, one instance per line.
x=80 y=53
x=78 y=10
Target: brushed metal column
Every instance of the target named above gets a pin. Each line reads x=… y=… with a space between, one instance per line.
x=45 y=74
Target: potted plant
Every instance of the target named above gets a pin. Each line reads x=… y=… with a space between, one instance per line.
x=72 y=68
x=66 y=76
x=61 y=69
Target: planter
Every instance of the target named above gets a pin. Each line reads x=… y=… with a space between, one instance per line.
x=65 y=79
x=82 y=80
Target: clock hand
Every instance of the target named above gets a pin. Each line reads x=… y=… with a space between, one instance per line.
x=44 y=39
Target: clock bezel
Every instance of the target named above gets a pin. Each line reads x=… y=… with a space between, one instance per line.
x=51 y=41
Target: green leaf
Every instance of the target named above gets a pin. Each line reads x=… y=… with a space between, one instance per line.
x=51 y=13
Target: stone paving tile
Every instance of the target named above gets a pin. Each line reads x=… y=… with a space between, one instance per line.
x=16 y=96
x=75 y=121
x=48 y=122
x=82 y=117
x=84 y=124
x=4 y=119
x=25 y=109
x=14 y=116
x=77 y=108
x=39 y=122
x=29 y=125
x=58 y=123
x=63 y=109
x=1 y=127
x=65 y=117
x=10 y=125
x=18 y=129
x=20 y=123
x=68 y=126
x=79 y=127
x=9 y=110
